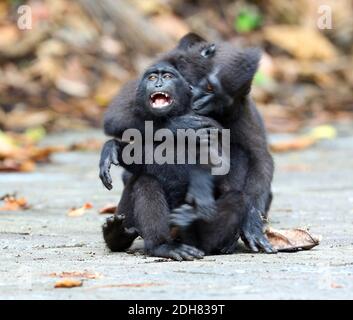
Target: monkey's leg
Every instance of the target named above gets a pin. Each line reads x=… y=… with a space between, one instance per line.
x=218 y=235
x=119 y=230
x=222 y=233
x=151 y=213
x=252 y=230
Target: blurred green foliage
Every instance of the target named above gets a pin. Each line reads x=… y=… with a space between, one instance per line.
x=247 y=20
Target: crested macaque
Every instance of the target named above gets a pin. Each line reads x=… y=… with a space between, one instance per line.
x=162 y=96
x=220 y=86
x=224 y=95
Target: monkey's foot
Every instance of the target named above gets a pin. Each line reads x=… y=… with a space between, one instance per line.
x=253 y=235
x=116 y=236
x=177 y=252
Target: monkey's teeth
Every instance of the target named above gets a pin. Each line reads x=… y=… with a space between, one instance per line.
x=160 y=100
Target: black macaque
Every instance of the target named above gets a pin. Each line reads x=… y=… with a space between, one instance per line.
x=224 y=96
x=191 y=58
x=163 y=96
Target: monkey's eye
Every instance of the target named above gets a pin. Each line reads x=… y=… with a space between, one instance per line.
x=209 y=88
x=152 y=77
x=167 y=76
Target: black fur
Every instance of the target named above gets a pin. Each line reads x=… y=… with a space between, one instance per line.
x=224 y=96
x=175 y=182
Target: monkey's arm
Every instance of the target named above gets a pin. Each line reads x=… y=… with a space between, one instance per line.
x=112 y=154
x=119 y=116
x=250 y=135
x=200 y=193
x=121 y=113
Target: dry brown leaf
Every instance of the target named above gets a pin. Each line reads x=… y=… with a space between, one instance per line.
x=12 y=203
x=12 y=165
x=292 y=239
x=88 y=145
x=109 y=208
x=298 y=143
x=68 y=283
x=301 y=42
x=24 y=119
x=76 y=274
x=129 y=285
x=77 y=212
x=74 y=79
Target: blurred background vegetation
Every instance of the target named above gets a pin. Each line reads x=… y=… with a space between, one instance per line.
x=62 y=73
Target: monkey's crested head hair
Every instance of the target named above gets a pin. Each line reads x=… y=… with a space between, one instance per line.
x=192 y=57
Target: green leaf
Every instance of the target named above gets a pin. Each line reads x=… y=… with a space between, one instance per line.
x=247 y=20
x=35 y=134
x=261 y=79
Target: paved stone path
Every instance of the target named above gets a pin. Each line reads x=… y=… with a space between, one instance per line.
x=312 y=188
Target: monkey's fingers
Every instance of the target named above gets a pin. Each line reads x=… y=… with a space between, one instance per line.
x=173 y=255
x=104 y=175
x=185 y=255
x=178 y=252
x=182 y=220
x=107 y=181
x=265 y=245
x=197 y=253
x=199 y=104
x=250 y=242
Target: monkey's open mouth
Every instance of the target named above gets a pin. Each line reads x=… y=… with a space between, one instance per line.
x=160 y=100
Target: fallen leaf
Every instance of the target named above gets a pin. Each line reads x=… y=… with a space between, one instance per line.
x=129 y=285
x=76 y=274
x=77 y=212
x=19 y=153
x=109 y=208
x=68 y=283
x=12 y=203
x=88 y=145
x=323 y=132
x=298 y=143
x=292 y=239
x=305 y=141
x=313 y=44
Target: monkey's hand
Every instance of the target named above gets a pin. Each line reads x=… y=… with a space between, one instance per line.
x=182 y=217
x=252 y=233
x=109 y=156
x=176 y=251
x=204 y=204
x=200 y=194
x=189 y=121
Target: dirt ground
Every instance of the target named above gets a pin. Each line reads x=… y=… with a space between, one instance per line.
x=312 y=188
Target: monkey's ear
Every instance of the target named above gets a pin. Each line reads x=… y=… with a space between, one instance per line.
x=189 y=40
x=209 y=51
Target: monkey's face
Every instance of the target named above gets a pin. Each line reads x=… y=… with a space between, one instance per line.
x=209 y=96
x=195 y=62
x=163 y=90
